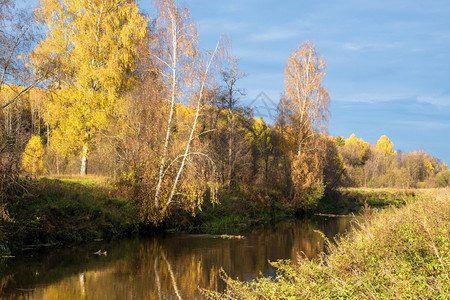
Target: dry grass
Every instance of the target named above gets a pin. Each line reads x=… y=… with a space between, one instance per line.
x=398 y=253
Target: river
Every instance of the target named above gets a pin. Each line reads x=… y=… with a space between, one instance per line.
x=169 y=266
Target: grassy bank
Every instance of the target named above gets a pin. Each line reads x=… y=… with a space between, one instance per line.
x=239 y=211
x=70 y=210
x=396 y=253
x=53 y=212
x=350 y=200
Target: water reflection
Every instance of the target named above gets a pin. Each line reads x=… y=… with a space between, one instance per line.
x=162 y=267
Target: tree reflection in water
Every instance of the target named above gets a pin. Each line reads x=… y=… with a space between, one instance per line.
x=162 y=267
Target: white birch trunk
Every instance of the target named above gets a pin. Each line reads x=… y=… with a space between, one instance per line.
x=57 y=163
x=230 y=149
x=172 y=276
x=191 y=136
x=172 y=109
x=83 y=170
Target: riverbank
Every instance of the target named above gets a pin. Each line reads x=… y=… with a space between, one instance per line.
x=396 y=253
x=53 y=212
x=56 y=212
x=350 y=200
x=239 y=211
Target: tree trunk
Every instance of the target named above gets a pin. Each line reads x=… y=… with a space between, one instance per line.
x=83 y=170
x=48 y=135
x=174 y=62
x=191 y=135
x=32 y=120
x=57 y=163
x=230 y=155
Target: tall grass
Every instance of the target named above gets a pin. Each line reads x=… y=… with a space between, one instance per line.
x=398 y=253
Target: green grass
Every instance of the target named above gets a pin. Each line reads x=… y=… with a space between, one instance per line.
x=397 y=253
x=91 y=181
x=350 y=200
x=239 y=211
x=71 y=209
x=55 y=212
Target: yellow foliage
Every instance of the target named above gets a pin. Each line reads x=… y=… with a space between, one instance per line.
x=306 y=101
x=358 y=149
x=93 y=48
x=352 y=140
x=307 y=178
x=385 y=146
x=33 y=156
x=260 y=135
x=429 y=168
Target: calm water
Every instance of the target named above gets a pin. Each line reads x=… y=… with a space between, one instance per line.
x=171 y=266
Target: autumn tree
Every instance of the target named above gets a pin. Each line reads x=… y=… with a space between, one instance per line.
x=442 y=178
x=228 y=101
x=183 y=74
x=92 y=45
x=175 y=50
x=420 y=165
x=385 y=146
x=383 y=155
x=14 y=127
x=17 y=34
x=188 y=189
x=240 y=161
x=144 y=112
x=260 y=137
x=355 y=151
x=305 y=108
x=33 y=156
x=306 y=98
x=340 y=141
x=334 y=167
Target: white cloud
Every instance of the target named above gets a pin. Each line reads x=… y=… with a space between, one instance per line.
x=355 y=46
x=372 y=96
x=424 y=125
x=440 y=100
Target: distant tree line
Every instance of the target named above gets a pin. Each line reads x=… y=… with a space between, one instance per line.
x=380 y=166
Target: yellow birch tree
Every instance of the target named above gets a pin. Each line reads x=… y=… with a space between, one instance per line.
x=33 y=156
x=184 y=173
x=175 y=51
x=385 y=146
x=93 y=46
x=306 y=111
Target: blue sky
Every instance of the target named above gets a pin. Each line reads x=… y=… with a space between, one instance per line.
x=388 y=62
